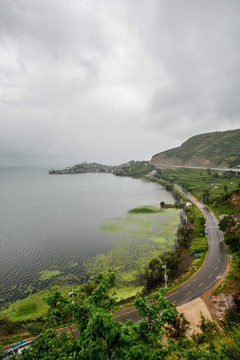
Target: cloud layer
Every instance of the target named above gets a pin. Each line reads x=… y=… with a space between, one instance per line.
x=111 y=81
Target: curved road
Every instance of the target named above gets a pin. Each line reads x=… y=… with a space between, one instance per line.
x=158 y=165
x=204 y=279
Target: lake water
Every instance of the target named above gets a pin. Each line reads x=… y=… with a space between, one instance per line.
x=75 y=225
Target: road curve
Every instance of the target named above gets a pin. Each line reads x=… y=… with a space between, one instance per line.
x=204 y=279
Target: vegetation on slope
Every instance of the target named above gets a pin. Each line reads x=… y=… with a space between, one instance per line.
x=221 y=148
x=103 y=338
x=136 y=169
x=212 y=187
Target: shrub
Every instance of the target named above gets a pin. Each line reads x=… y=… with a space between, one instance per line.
x=198 y=245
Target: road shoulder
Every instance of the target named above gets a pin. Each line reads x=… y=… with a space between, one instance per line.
x=192 y=312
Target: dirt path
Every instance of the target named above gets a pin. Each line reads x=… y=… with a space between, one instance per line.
x=192 y=311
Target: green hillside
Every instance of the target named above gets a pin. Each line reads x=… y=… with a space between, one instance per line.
x=221 y=148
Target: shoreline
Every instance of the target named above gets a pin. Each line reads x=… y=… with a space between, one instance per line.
x=185 y=262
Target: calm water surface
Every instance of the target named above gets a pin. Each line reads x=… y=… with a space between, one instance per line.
x=50 y=222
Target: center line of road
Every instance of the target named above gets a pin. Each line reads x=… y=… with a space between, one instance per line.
x=201 y=284
x=210 y=276
x=172 y=294
x=215 y=268
x=194 y=279
x=188 y=293
x=218 y=260
x=129 y=312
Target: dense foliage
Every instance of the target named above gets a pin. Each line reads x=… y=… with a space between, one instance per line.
x=136 y=169
x=102 y=338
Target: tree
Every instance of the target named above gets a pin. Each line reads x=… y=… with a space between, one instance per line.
x=205 y=196
x=226 y=224
x=153 y=273
x=103 y=338
x=34 y=328
x=172 y=259
x=50 y=346
x=233 y=241
x=58 y=310
x=179 y=327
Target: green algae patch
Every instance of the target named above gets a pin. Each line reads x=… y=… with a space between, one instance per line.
x=124 y=293
x=145 y=210
x=47 y=274
x=143 y=233
x=74 y=264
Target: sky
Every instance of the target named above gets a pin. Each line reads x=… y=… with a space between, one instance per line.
x=114 y=80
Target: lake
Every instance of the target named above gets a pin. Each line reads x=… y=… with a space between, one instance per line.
x=58 y=229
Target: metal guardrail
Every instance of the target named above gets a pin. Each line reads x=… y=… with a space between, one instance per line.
x=15 y=350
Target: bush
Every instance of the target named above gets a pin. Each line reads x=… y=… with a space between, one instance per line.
x=198 y=245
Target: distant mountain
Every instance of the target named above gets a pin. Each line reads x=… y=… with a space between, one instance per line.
x=220 y=149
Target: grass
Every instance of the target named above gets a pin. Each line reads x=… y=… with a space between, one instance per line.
x=33 y=306
x=230 y=285
x=26 y=310
x=126 y=292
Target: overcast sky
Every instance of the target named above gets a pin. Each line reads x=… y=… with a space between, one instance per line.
x=114 y=80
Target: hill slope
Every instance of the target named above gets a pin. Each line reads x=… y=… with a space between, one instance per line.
x=221 y=149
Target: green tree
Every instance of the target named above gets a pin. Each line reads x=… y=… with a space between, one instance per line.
x=35 y=328
x=179 y=327
x=58 y=310
x=103 y=338
x=172 y=260
x=153 y=273
x=226 y=224
x=206 y=195
x=50 y=346
x=233 y=241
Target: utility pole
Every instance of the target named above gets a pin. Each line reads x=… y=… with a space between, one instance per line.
x=165 y=274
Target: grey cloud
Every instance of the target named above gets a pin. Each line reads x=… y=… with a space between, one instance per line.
x=115 y=80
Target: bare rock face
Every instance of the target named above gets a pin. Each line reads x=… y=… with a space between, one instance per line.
x=221 y=303
x=235 y=200
x=162 y=159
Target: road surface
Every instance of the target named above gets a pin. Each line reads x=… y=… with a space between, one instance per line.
x=159 y=165
x=204 y=279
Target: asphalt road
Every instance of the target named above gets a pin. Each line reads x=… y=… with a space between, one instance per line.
x=158 y=165
x=204 y=279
